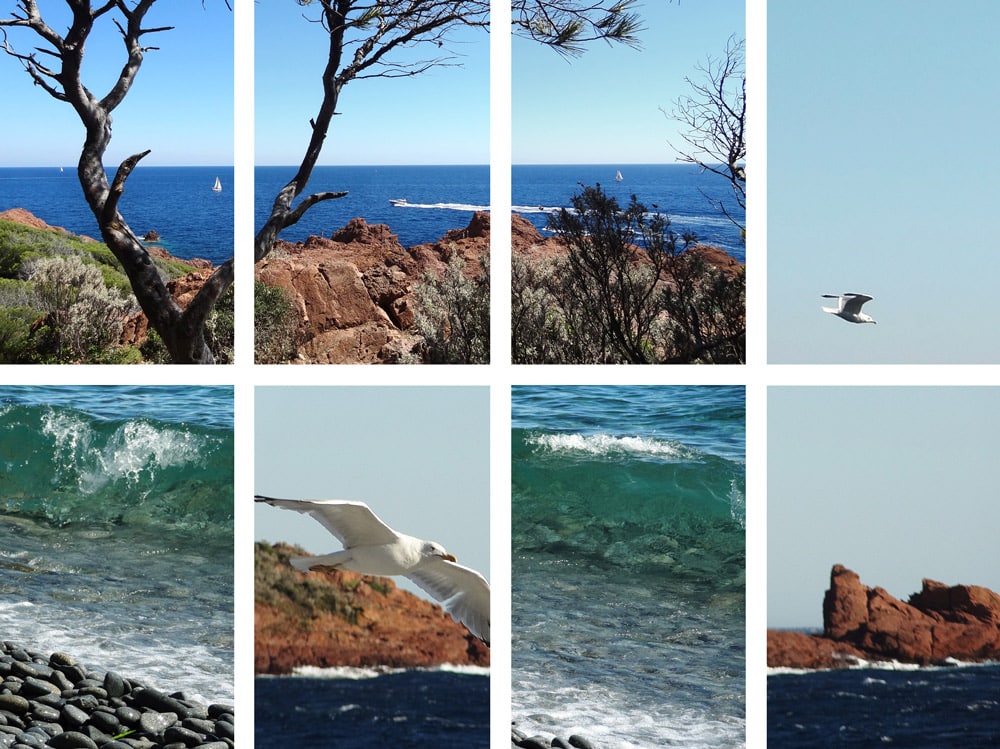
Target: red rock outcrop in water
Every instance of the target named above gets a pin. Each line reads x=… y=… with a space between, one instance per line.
x=350 y=620
x=939 y=622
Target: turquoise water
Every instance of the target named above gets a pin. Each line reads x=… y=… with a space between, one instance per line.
x=628 y=561
x=116 y=529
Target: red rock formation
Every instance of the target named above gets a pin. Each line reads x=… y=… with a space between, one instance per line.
x=939 y=622
x=384 y=626
x=26 y=218
x=354 y=292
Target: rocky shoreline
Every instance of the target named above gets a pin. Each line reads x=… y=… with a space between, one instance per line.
x=53 y=701
x=939 y=624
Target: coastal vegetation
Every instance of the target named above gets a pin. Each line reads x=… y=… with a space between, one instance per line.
x=65 y=299
x=454 y=315
x=57 y=68
x=385 y=41
x=628 y=290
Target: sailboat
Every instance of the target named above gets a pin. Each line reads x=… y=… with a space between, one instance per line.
x=217 y=187
x=618 y=176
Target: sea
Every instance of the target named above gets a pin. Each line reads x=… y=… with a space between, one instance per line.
x=175 y=201
x=116 y=530
x=679 y=191
x=885 y=705
x=438 y=199
x=353 y=708
x=193 y=221
x=628 y=564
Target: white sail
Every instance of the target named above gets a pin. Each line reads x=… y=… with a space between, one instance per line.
x=217 y=187
x=618 y=176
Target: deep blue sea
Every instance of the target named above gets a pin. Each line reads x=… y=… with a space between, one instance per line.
x=678 y=190
x=628 y=564
x=439 y=198
x=176 y=201
x=926 y=708
x=116 y=530
x=354 y=709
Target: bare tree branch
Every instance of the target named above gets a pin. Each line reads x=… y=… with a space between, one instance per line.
x=715 y=115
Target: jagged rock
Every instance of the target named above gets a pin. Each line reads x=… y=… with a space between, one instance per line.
x=353 y=292
x=378 y=625
x=937 y=623
x=151 y=236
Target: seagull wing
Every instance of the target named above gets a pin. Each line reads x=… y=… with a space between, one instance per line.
x=852 y=302
x=464 y=593
x=352 y=522
x=840 y=302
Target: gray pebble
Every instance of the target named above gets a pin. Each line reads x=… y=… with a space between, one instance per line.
x=72 y=740
x=14 y=703
x=157 y=723
x=580 y=743
x=57 y=703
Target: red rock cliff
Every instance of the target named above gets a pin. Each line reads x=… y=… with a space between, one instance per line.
x=353 y=292
x=345 y=619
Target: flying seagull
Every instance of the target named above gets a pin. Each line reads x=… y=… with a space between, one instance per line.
x=849 y=307
x=373 y=548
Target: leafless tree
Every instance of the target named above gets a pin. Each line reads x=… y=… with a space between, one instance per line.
x=715 y=115
x=56 y=68
x=376 y=39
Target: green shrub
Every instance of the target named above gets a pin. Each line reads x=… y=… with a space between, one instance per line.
x=15 y=330
x=274 y=324
x=453 y=315
x=84 y=315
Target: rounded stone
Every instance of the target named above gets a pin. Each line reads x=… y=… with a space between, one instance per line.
x=72 y=740
x=224 y=729
x=179 y=734
x=105 y=722
x=61 y=659
x=114 y=684
x=128 y=715
x=14 y=703
x=156 y=723
x=74 y=716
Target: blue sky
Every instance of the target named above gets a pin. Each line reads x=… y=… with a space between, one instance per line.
x=180 y=106
x=895 y=483
x=604 y=107
x=418 y=456
x=438 y=117
x=882 y=167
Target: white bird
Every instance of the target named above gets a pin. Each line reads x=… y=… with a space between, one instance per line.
x=373 y=548
x=849 y=307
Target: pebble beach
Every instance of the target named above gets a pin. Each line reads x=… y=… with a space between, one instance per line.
x=54 y=701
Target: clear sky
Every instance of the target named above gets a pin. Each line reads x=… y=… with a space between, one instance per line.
x=882 y=165
x=438 y=117
x=604 y=107
x=180 y=105
x=418 y=456
x=895 y=483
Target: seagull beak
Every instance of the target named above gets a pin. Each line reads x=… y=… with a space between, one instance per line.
x=449 y=557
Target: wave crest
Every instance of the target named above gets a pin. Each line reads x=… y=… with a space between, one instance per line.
x=609 y=446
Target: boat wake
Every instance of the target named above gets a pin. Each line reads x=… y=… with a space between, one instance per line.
x=404 y=203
